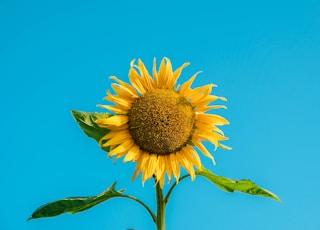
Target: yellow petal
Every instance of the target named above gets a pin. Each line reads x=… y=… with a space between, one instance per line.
x=144 y=158
x=185 y=87
x=168 y=167
x=175 y=166
x=204 y=150
x=116 y=138
x=200 y=93
x=122 y=148
x=192 y=156
x=207 y=100
x=149 y=166
x=160 y=167
x=225 y=147
x=138 y=167
x=205 y=127
x=177 y=72
x=125 y=85
x=136 y=81
x=119 y=101
x=169 y=75
x=133 y=154
x=205 y=108
x=212 y=119
x=124 y=93
x=147 y=81
x=161 y=181
x=116 y=120
x=114 y=109
x=154 y=73
x=164 y=73
x=185 y=163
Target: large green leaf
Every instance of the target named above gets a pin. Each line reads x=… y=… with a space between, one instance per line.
x=75 y=204
x=87 y=123
x=230 y=185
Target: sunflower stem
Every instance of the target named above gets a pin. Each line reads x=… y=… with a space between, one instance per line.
x=161 y=206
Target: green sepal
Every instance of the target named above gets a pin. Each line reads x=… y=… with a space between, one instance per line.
x=230 y=185
x=75 y=204
x=87 y=123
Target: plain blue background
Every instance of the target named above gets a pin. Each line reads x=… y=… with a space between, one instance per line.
x=264 y=56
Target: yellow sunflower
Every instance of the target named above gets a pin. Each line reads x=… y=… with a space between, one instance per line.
x=156 y=123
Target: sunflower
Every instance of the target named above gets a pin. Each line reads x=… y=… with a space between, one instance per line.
x=156 y=123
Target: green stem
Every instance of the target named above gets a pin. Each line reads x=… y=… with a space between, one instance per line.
x=143 y=204
x=172 y=187
x=161 y=206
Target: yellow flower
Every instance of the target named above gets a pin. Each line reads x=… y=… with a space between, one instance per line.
x=156 y=124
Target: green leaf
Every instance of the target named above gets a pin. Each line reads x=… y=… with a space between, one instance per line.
x=87 y=123
x=229 y=185
x=75 y=204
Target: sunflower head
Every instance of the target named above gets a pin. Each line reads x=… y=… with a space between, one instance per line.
x=161 y=121
x=156 y=124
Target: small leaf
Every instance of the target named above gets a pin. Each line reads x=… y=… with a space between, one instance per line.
x=75 y=204
x=229 y=185
x=87 y=123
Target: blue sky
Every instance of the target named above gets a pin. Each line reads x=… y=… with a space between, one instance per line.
x=264 y=56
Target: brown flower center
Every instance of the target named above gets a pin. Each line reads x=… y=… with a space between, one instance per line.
x=161 y=121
